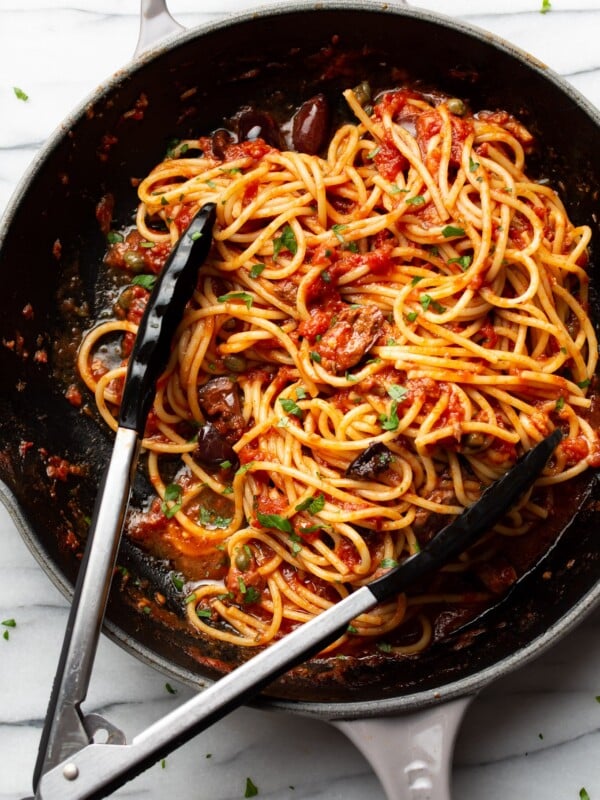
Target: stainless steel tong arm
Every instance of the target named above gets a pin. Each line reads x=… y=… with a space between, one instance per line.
x=96 y=770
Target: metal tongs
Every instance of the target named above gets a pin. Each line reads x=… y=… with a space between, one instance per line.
x=70 y=765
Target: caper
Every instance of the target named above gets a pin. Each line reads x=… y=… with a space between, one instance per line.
x=456 y=106
x=134 y=260
x=124 y=299
x=362 y=92
x=242 y=558
x=235 y=363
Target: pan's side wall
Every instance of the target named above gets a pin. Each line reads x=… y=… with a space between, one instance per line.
x=51 y=256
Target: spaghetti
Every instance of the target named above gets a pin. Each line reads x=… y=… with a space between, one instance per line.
x=377 y=335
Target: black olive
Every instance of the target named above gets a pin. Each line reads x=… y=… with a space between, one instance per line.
x=220 y=141
x=255 y=124
x=214 y=450
x=376 y=458
x=310 y=125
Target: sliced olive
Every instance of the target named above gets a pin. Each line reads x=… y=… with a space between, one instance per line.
x=220 y=141
x=375 y=459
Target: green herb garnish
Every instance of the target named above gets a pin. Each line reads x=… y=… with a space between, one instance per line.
x=146 y=281
x=256 y=270
x=452 y=230
x=291 y=407
x=173 y=495
x=275 y=521
x=247 y=298
x=312 y=504
x=287 y=241
x=20 y=94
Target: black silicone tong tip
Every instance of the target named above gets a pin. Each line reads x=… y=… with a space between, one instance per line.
x=171 y=292
x=466 y=529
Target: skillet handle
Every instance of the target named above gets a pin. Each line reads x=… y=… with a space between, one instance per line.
x=156 y=23
x=411 y=754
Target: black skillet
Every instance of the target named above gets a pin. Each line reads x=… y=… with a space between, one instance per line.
x=58 y=272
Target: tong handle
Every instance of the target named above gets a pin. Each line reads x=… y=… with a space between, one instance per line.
x=65 y=731
x=97 y=770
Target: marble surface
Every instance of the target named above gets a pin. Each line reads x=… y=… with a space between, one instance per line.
x=533 y=734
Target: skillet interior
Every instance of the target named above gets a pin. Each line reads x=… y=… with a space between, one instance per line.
x=101 y=149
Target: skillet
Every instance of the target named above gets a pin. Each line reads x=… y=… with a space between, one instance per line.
x=39 y=414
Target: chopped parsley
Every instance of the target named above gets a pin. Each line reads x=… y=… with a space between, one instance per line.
x=210 y=519
x=427 y=300
x=391 y=421
x=20 y=94
x=291 y=407
x=412 y=316
x=247 y=298
x=275 y=521
x=170 y=689
x=251 y=789
x=463 y=261
x=417 y=200
x=314 y=356
x=286 y=241
x=312 y=504
x=173 y=495
x=256 y=270
x=546 y=7
x=112 y=237
x=452 y=230
x=249 y=593
x=583 y=794
x=146 y=281
x=245 y=467
x=196 y=235
x=388 y=563
x=177 y=580
x=473 y=165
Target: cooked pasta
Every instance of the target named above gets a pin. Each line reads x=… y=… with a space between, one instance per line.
x=379 y=333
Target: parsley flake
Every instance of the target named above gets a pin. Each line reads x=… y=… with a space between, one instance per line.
x=20 y=94
x=146 y=281
x=286 y=241
x=173 y=494
x=452 y=230
x=256 y=270
x=291 y=407
x=275 y=521
x=312 y=504
x=251 y=789
x=247 y=298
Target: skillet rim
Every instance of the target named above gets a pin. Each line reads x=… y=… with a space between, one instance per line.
x=339 y=709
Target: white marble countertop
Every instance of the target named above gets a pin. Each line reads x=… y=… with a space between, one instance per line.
x=533 y=734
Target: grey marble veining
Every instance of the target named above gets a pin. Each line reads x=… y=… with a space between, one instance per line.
x=534 y=734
